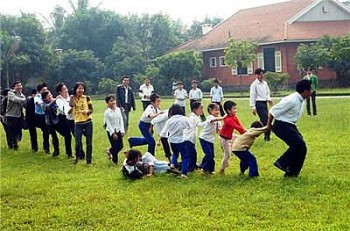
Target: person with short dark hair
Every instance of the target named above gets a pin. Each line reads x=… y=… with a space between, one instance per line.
x=40 y=116
x=145 y=91
x=30 y=118
x=125 y=100
x=180 y=95
x=82 y=110
x=285 y=114
x=217 y=95
x=132 y=165
x=51 y=119
x=14 y=112
x=114 y=124
x=174 y=128
x=231 y=123
x=4 y=95
x=260 y=97
x=242 y=144
x=151 y=112
x=310 y=75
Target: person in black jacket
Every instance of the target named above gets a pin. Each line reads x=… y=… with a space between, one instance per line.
x=30 y=118
x=125 y=100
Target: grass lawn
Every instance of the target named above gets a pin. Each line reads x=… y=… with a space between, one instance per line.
x=39 y=192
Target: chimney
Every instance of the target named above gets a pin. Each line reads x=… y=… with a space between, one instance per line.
x=206 y=28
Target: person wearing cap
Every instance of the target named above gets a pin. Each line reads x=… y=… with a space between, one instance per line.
x=180 y=95
x=217 y=95
x=259 y=98
x=195 y=95
x=145 y=91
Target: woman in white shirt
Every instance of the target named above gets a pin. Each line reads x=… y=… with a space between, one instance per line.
x=114 y=124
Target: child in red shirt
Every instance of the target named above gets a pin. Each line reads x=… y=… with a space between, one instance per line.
x=231 y=123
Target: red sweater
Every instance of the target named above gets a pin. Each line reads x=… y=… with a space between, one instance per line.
x=231 y=123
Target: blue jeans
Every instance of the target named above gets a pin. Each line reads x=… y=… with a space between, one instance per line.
x=179 y=148
x=208 y=162
x=192 y=155
x=248 y=160
x=146 y=139
x=79 y=129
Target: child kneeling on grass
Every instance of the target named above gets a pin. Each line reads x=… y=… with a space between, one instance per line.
x=136 y=166
x=242 y=144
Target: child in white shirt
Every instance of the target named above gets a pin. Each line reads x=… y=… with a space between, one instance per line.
x=114 y=124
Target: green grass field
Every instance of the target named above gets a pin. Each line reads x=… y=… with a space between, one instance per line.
x=39 y=192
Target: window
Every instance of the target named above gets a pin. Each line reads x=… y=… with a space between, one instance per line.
x=240 y=70
x=278 y=61
x=222 y=61
x=260 y=62
x=212 y=62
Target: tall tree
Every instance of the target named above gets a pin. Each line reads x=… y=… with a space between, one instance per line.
x=240 y=53
x=331 y=52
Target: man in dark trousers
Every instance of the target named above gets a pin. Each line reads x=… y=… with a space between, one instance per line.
x=286 y=113
x=260 y=97
x=125 y=100
x=30 y=117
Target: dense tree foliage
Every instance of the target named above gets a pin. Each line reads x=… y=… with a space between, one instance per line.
x=331 y=52
x=240 y=53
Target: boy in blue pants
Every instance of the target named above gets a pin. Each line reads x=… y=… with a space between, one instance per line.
x=242 y=144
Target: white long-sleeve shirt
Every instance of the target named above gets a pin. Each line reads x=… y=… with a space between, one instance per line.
x=289 y=109
x=159 y=122
x=216 y=94
x=175 y=127
x=180 y=96
x=259 y=91
x=195 y=94
x=114 y=121
x=145 y=91
x=63 y=107
x=190 y=134
x=209 y=129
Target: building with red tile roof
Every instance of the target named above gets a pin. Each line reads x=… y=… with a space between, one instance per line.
x=278 y=29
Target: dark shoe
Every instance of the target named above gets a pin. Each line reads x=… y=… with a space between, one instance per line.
x=75 y=160
x=267 y=139
x=279 y=166
x=288 y=174
x=34 y=150
x=55 y=153
x=15 y=147
x=47 y=151
x=174 y=171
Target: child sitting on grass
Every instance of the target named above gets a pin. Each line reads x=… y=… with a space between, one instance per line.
x=242 y=144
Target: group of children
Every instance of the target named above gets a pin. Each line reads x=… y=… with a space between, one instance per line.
x=178 y=134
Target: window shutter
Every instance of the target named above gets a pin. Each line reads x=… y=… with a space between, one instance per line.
x=261 y=60
x=235 y=70
x=278 y=61
x=250 y=69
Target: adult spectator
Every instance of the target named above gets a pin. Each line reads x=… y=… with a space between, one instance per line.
x=217 y=95
x=286 y=113
x=125 y=100
x=3 y=107
x=310 y=75
x=145 y=91
x=14 y=113
x=259 y=97
x=195 y=95
x=30 y=118
x=40 y=116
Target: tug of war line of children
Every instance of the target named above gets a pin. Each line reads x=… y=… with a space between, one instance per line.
x=70 y=116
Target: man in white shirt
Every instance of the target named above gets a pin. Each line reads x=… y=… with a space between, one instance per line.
x=180 y=95
x=217 y=95
x=145 y=91
x=195 y=95
x=259 y=97
x=286 y=113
